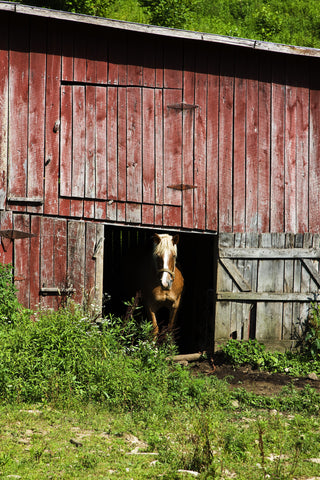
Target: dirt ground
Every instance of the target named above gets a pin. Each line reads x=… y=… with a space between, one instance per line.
x=262 y=383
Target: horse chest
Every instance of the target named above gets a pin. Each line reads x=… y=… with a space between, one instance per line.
x=164 y=296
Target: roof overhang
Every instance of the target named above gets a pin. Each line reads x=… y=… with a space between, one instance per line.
x=160 y=31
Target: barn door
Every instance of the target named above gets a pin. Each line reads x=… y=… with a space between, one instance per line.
x=265 y=284
x=121 y=144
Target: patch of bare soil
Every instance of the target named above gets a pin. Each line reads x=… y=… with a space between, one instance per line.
x=262 y=383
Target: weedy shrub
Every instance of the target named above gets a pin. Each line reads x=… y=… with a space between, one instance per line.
x=63 y=357
x=311 y=340
x=255 y=354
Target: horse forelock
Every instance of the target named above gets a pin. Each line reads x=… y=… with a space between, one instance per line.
x=165 y=245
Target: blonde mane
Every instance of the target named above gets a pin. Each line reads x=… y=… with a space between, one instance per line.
x=164 y=245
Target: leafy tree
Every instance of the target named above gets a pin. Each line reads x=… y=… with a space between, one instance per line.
x=168 y=13
x=97 y=8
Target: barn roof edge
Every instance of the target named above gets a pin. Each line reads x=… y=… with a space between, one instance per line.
x=156 y=30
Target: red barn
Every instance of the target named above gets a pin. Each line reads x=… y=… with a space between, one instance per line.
x=106 y=125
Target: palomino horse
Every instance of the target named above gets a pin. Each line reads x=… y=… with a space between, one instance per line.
x=164 y=286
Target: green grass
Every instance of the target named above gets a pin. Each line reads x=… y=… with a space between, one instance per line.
x=41 y=441
x=79 y=402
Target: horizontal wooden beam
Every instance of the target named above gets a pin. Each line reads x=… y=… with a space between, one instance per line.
x=270 y=253
x=56 y=291
x=266 y=297
x=30 y=200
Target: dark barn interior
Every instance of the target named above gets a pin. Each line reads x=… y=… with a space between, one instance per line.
x=197 y=253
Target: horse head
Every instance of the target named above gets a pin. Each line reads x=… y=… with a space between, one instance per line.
x=165 y=254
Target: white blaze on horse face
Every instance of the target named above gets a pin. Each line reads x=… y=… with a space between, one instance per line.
x=166 y=277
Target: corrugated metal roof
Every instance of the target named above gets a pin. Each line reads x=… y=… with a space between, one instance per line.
x=154 y=30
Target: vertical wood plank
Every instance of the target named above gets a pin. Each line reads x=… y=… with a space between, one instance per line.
x=222 y=329
x=150 y=61
x=101 y=59
x=35 y=229
x=133 y=213
x=66 y=142
x=239 y=146
x=305 y=279
x=136 y=45
x=37 y=78
x=117 y=73
x=88 y=209
x=171 y=216
x=89 y=274
x=302 y=144
x=288 y=287
x=264 y=153
x=200 y=153
x=90 y=142
x=101 y=143
x=91 y=47
x=100 y=210
x=18 y=112
x=67 y=54
x=225 y=142
x=134 y=145
x=76 y=258
x=6 y=245
x=99 y=266
x=53 y=82
x=290 y=154
x=147 y=214
x=122 y=144
x=270 y=279
x=78 y=141
x=252 y=219
x=22 y=267
x=4 y=109
x=213 y=141
x=60 y=258
x=76 y=208
x=112 y=143
x=47 y=259
x=158 y=215
x=80 y=54
x=172 y=144
x=277 y=147
x=314 y=167
x=148 y=145
x=159 y=153
x=173 y=58
x=298 y=243
x=188 y=136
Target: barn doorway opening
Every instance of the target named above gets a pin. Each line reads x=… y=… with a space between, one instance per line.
x=197 y=254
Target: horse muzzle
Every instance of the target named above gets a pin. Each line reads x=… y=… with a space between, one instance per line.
x=166 y=282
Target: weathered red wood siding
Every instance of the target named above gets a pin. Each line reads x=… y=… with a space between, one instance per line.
x=96 y=132
x=107 y=125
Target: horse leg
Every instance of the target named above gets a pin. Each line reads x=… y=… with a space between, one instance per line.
x=173 y=313
x=153 y=320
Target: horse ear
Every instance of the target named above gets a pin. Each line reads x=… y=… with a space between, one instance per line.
x=175 y=240
x=156 y=239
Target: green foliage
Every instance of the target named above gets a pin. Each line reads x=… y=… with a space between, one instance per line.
x=168 y=13
x=63 y=357
x=290 y=400
x=295 y=22
x=99 y=8
x=311 y=341
x=255 y=354
x=9 y=306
